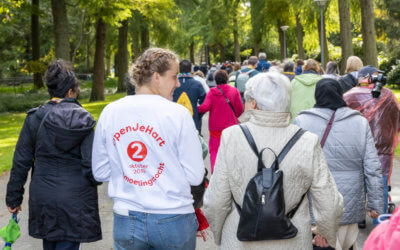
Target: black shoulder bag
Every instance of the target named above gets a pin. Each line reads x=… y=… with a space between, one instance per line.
x=228 y=101
x=262 y=215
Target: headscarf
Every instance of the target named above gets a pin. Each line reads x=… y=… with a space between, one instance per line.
x=329 y=94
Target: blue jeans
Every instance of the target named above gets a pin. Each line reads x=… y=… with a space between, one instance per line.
x=385 y=198
x=155 y=231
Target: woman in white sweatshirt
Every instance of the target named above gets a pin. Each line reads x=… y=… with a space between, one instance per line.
x=146 y=147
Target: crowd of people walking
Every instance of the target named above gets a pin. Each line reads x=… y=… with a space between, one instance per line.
x=299 y=156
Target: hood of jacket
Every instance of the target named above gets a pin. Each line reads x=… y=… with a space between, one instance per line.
x=67 y=124
x=326 y=113
x=308 y=79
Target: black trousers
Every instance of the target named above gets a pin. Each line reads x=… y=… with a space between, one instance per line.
x=60 y=245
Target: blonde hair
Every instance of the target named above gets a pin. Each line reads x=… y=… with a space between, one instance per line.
x=311 y=64
x=353 y=64
x=199 y=73
x=152 y=60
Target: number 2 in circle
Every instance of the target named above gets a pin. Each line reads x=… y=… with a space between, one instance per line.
x=137 y=151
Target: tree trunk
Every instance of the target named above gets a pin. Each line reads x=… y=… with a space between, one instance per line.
x=257 y=23
x=122 y=55
x=60 y=24
x=108 y=65
x=281 y=42
x=256 y=48
x=135 y=45
x=222 y=52
x=300 y=35
x=235 y=32
x=88 y=52
x=191 y=50
x=325 y=41
x=144 y=35
x=37 y=77
x=368 y=32
x=98 y=71
x=82 y=34
x=345 y=33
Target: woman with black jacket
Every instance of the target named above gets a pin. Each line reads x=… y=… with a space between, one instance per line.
x=56 y=142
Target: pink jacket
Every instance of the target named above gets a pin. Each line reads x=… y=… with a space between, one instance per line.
x=221 y=114
x=385 y=236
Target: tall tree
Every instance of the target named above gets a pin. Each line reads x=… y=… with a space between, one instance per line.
x=257 y=23
x=345 y=33
x=235 y=31
x=122 y=58
x=300 y=35
x=98 y=69
x=144 y=35
x=111 y=12
x=368 y=32
x=60 y=27
x=35 y=27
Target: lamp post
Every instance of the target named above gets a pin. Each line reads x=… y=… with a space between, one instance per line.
x=284 y=28
x=322 y=4
x=247 y=47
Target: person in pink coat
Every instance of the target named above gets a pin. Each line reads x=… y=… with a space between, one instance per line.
x=385 y=236
x=225 y=106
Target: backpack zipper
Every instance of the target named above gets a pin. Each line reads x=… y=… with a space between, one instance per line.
x=259 y=213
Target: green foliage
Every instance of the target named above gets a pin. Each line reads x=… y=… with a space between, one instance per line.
x=386 y=64
x=7 y=8
x=394 y=76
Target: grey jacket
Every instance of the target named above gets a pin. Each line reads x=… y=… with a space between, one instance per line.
x=352 y=157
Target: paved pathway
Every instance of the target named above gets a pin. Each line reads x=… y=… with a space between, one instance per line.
x=25 y=242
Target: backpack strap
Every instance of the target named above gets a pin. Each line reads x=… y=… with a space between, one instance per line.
x=228 y=101
x=249 y=138
x=291 y=213
x=250 y=71
x=290 y=144
x=328 y=129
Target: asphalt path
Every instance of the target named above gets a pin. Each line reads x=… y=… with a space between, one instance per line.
x=26 y=242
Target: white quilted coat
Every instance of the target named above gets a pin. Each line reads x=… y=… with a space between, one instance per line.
x=304 y=169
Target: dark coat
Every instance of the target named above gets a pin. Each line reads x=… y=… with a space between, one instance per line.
x=196 y=94
x=263 y=66
x=347 y=82
x=56 y=142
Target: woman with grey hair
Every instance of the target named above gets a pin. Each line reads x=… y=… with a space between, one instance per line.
x=304 y=169
x=332 y=71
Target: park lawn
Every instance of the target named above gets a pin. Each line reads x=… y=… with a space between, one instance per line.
x=11 y=124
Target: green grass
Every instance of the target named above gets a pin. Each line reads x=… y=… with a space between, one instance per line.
x=11 y=124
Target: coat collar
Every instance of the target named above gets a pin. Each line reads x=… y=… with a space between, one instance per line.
x=266 y=118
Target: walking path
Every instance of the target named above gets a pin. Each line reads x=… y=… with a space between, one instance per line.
x=105 y=204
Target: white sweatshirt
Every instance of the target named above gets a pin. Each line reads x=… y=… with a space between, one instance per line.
x=147 y=147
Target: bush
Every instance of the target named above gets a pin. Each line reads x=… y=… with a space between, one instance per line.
x=387 y=64
x=394 y=77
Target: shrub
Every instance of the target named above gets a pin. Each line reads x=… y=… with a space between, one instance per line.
x=394 y=76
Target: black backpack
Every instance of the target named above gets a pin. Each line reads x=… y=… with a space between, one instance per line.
x=262 y=215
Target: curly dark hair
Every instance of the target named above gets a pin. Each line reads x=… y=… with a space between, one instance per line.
x=152 y=60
